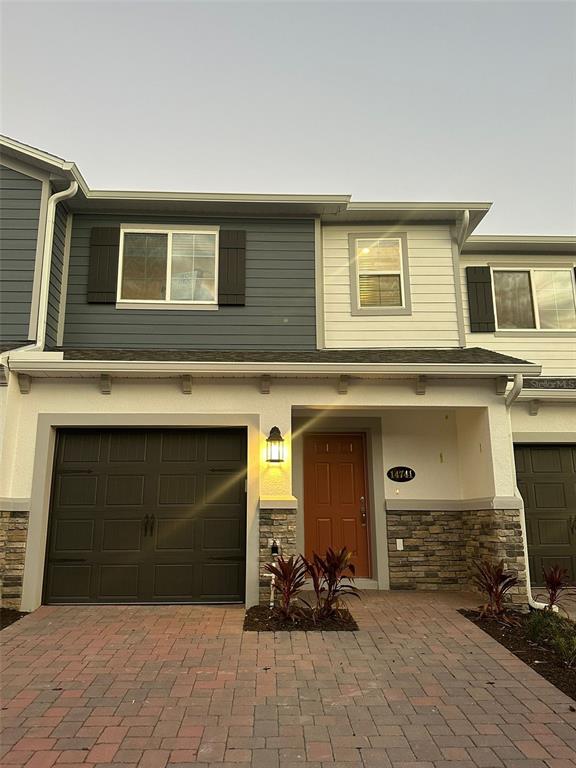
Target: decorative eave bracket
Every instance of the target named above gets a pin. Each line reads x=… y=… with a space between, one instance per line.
x=533 y=407
x=105 y=383
x=265 y=384
x=24 y=383
x=420 y=386
x=343 y=384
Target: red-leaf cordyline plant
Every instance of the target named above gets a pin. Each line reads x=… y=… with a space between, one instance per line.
x=495 y=582
x=557 y=582
x=329 y=574
x=290 y=577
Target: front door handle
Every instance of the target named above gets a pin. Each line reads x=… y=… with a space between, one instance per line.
x=363 y=511
x=146 y=518
x=152 y=521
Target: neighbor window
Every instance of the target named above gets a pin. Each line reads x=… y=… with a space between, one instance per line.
x=378 y=269
x=535 y=298
x=172 y=266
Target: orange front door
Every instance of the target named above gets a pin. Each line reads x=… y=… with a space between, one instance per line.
x=335 y=499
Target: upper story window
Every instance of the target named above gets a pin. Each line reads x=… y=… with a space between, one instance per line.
x=168 y=265
x=379 y=274
x=541 y=299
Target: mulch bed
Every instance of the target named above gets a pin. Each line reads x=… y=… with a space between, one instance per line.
x=259 y=618
x=540 y=659
x=9 y=616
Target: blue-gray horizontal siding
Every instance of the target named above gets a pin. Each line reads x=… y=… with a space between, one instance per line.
x=19 y=216
x=280 y=305
x=56 y=268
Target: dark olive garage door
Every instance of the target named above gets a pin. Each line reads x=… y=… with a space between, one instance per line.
x=547 y=481
x=154 y=516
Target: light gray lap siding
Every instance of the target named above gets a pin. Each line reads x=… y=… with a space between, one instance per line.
x=53 y=310
x=19 y=217
x=279 y=311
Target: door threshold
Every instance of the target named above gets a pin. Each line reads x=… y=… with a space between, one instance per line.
x=366 y=583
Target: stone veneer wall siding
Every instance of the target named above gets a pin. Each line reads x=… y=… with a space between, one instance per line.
x=13 y=533
x=278 y=524
x=440 y=548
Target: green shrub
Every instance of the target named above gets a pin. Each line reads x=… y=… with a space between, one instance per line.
x=555 y=632
x=540 y=626
x=565 y=648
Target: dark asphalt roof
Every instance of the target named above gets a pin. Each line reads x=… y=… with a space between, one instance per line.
x=471 y=356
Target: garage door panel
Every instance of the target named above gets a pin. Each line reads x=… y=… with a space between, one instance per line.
x=220 y=581
x=77 y=490
x=224 y=445
x=128 y=446
x=174 y=534
x=69 y=582
x=546 y=459
x=125 y=490
x=546 y=479
x=80 y=446
x=73 y=535
x=224 y=535
x=179 y=445
x=177 y=489
x=224 y=488
x=174 y=581
x=118 y=582
x=549 y=495
x=553 y=531
x=148 y=515
x=122 y=535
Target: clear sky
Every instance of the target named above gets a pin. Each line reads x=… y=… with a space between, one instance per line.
x=457 y=100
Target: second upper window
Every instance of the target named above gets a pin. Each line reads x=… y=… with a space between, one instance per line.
x=173 y=266
x=535 y=299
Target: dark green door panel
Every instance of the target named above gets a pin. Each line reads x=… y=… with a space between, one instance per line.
x=547 y=481
x=148 y=516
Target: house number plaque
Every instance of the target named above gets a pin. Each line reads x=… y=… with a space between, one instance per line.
x=401 y=474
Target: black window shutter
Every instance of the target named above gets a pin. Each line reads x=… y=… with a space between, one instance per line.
x=103 y=268
x=232 y=268
x=481 y=306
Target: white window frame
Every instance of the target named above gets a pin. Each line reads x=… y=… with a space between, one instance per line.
x=405 y=308
x=166 y=303
x=535 y=309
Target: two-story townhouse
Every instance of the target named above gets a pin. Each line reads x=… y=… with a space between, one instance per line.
x=523 y=290
x=229 y=371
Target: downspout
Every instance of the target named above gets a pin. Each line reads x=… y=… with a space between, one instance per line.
x=53 y=201
x=38 y=345
x=510 y=399
x=458 y=237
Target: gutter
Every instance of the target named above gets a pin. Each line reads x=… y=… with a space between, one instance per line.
x=54 y=361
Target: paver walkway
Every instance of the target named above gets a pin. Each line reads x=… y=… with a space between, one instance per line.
x=418 y=687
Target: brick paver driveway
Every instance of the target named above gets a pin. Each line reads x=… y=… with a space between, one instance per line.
x=418 y=687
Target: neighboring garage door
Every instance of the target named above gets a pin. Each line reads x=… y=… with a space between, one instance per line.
x=145 y=515
x=547 y=481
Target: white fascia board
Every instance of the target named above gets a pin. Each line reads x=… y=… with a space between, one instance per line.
x=520 y=244
x=30 y=363
x=550 y=395
x=419 y=206
x=105 y=194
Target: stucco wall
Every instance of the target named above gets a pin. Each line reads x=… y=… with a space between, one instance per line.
x=32 y=419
